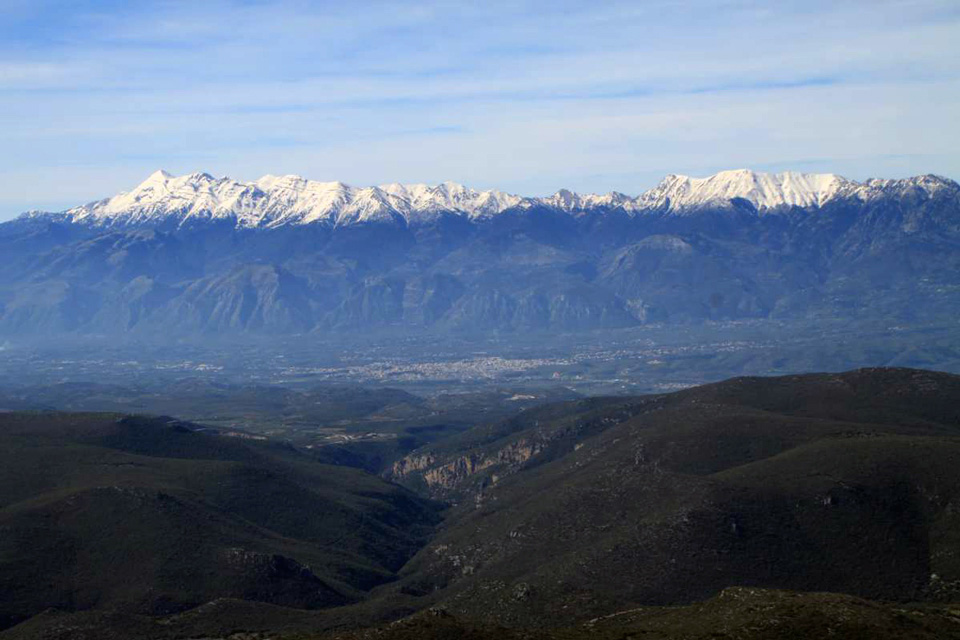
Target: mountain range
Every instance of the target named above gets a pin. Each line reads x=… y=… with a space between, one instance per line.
x=163 y=199
x=197 y=254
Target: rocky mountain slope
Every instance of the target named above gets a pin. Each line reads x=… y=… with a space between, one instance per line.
x=737 y=612
x=813 y=483
x=741 y=613
x=731 y=508
x=197 y=254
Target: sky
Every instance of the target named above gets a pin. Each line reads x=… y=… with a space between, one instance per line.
x=527 y=97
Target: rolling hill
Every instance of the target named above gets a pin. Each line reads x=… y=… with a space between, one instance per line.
x=151 y=516
x=790 y=507
x=813 y=483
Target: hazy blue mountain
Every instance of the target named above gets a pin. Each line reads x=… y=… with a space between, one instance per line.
x=287 y=255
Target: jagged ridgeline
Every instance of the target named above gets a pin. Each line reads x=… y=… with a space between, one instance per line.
x=286 y=255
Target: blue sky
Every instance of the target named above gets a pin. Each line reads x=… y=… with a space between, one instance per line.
x=524 y=96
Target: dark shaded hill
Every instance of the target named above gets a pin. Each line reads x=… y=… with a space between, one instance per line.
x=735 y=613
x=727 y=510
x=148 y=516
x=208 y=402
x=743 y=614
x=842 y=482
x=367 y=427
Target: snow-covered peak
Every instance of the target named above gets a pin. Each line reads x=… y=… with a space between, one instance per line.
x=295 y=200
x=929 y=183
x=289 y=199
x=570 y=201
x=158 y=176
x=452 y=197
x=271 y=201
x=160 y=196
x=763 y=190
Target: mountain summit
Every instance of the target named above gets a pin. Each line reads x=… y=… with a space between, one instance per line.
x=285 y=254
x=281 y=200
x=763 y=190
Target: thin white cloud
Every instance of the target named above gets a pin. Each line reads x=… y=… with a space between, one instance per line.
x=529 y=96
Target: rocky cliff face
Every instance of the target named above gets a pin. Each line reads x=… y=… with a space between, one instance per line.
x=462 y=470
x=450 y=476
x=816 y=482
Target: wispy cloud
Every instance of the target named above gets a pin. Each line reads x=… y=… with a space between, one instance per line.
x=528 y=95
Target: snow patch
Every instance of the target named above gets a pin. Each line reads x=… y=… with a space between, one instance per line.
x=275 y=201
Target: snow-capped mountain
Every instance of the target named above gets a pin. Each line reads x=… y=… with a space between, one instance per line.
x=422 y=201
x=274 y=201
x=279 y=200
x=763 y=190
x=283 y=254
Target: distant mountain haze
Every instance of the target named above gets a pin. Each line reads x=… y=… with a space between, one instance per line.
x=287 y=255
